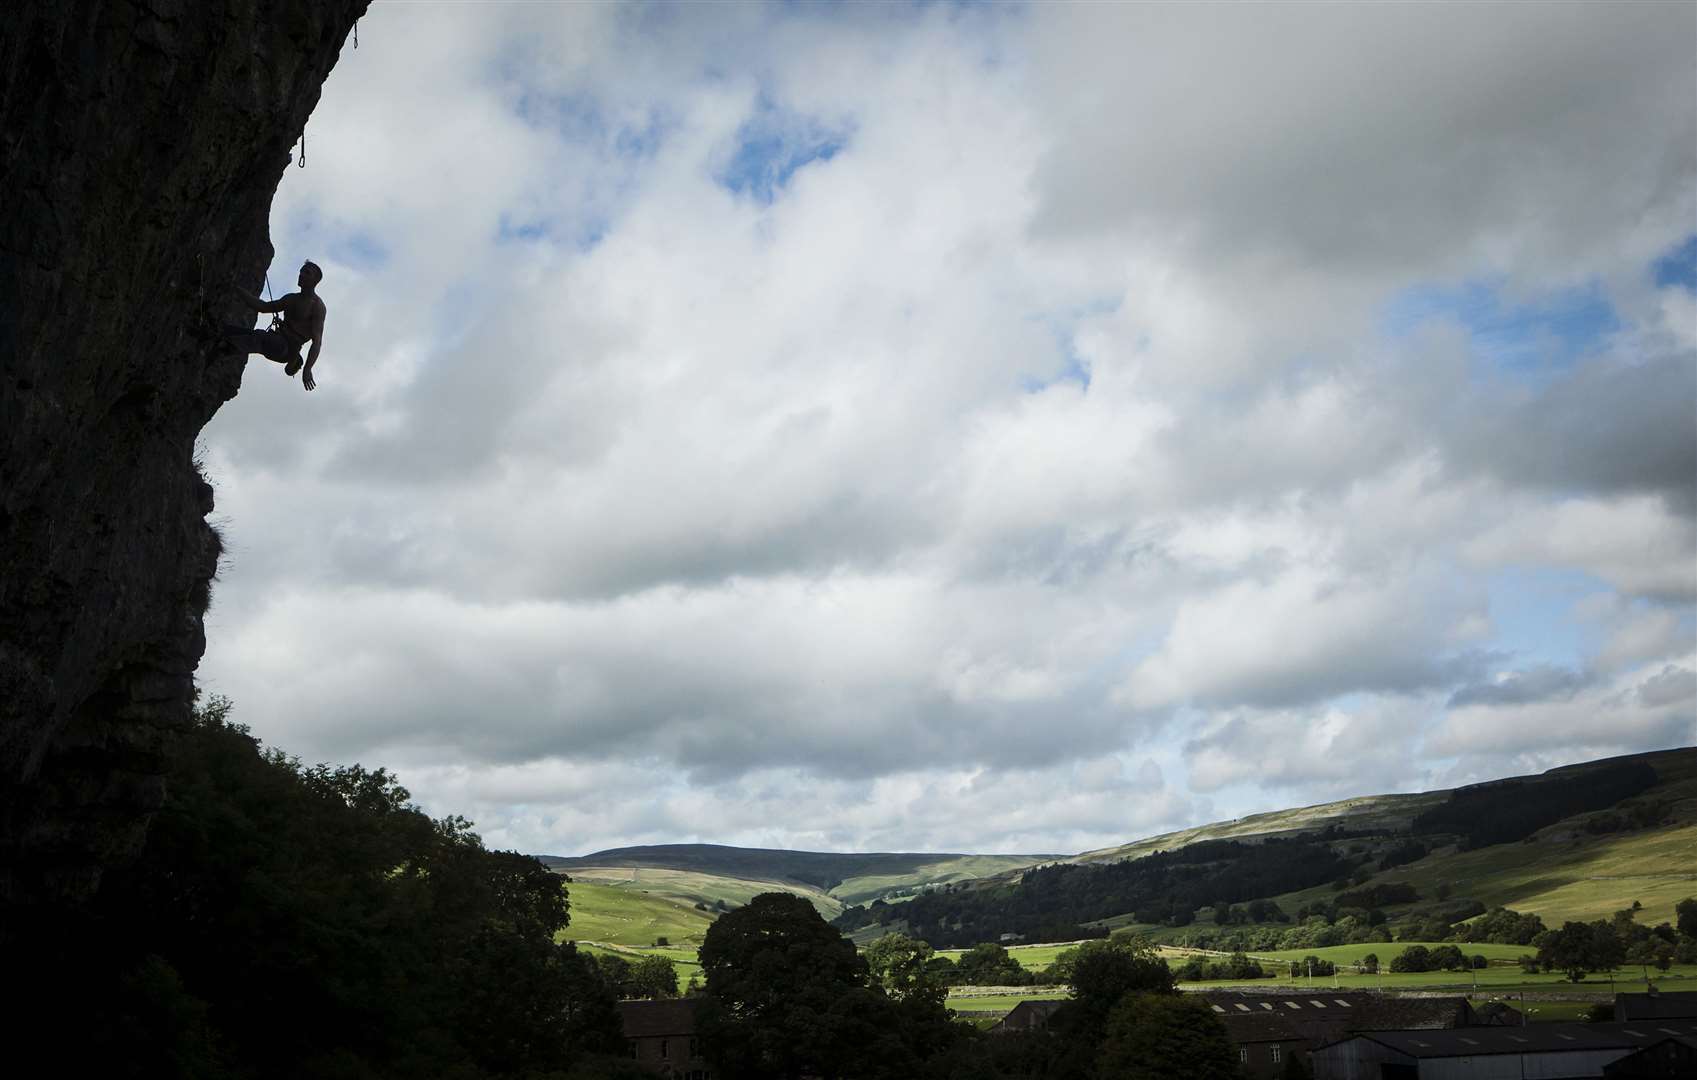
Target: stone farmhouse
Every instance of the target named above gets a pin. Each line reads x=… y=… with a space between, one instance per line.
x=660 y=1035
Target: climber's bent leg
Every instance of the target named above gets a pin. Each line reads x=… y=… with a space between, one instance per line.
x=267 y=343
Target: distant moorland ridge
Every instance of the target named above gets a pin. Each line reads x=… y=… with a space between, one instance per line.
x=1580 y=812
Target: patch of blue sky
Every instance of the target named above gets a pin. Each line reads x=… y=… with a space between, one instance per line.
x=1063 y=330
x=310 y=235
x=1534 y=616
x=358 y=249
x=772 y=145
x=1678 y=267
x=584 y=234
x=1529 y=338
x=515 y=230
x=1073 y=368
x=582 y=117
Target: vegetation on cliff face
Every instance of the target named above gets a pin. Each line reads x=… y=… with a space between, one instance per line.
x=287 y=920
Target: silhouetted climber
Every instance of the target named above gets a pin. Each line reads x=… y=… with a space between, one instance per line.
x=302 y=320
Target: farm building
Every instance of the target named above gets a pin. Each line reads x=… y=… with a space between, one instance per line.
x=1656 y=1006
x=1674 y=1058
x=1026 y=1016
x=1534 y=1052
x=661 y=1036
x=1269 y=1028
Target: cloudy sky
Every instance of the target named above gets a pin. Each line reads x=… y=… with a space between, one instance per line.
x=974 y=427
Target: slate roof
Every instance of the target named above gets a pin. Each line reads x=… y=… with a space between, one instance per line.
x=1260 y=1027
x=1531 y=1039
x=1657 y=1006
x=651 y=1019
x=1327 y=1016
x=1028 y=1014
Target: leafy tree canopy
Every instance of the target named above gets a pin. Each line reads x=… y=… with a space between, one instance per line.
x=1158 y=1036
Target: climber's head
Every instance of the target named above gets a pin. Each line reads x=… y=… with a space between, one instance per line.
x=310 y=275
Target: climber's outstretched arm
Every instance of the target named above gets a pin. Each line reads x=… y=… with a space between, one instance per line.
x=312 y=358
x=270 y=307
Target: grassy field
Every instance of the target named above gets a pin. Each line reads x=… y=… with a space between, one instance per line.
x=609 y=915
x=1029 y=957
x=1562 y=878
x=1001 y=1003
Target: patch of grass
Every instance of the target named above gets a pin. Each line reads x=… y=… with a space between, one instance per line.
x=1029 y=957
x=999 y=1004
x=1564 y=876
x=690 y=887
x=608 y=915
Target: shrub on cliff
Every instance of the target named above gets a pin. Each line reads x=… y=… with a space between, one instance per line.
x=287 y=920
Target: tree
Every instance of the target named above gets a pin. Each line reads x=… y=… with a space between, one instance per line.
x=1580 y=948
x=1106 y=971
x=988 y=964
x=273 y=896
x=1370 y=964
x=902 y=966
x=1158 y=1036
x=788 y=996
x=1686 y=916
x=654 y=977
x=616 y=974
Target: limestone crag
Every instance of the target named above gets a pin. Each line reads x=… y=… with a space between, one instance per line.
x=141 y=142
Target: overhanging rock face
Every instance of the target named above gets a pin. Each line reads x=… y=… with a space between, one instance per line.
x=140 y=144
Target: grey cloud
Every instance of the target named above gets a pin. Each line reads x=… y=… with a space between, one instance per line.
x=1373 y=138
x=1543 y=683
x=1670 y=686
x=1325 y=753
x=1609 y=427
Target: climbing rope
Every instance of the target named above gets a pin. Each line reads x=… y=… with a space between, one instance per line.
x=276 y=316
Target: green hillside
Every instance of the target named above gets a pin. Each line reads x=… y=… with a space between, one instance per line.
x=1376 y=813
x=846 y=877
x=1579 y=842
x=1584 y=865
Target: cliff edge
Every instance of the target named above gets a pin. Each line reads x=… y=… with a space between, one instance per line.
x=141 y=142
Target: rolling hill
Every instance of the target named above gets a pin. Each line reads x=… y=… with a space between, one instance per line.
x=1578 y=842
x=844 y=878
